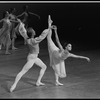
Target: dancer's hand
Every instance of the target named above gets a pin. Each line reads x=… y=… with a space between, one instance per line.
x=88 y=59
x=54 y=27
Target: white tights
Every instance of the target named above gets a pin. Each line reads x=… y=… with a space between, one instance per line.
x=32 y=59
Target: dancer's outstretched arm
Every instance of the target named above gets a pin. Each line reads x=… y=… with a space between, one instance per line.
x=34 y=14
x=41 y=37
x=14 y=21
x=21 y=14
x=1 y=20
x=77 y=56
x=57 y=39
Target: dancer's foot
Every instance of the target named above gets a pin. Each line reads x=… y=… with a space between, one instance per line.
x=7 y=53
x=39 y=83
x=12 y=88
x=58 y=83
x=14 y=48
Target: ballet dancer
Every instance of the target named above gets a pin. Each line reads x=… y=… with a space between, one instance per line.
x=59 y=54
x=12 y=16
x=33 y=44
x=26 y=18
x=26 y=14
x=5 y=32
x=20 y=28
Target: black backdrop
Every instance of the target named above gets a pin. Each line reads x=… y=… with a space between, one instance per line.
x=78 y=23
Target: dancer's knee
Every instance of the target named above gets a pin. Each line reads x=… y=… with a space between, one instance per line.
x=44 y=67
x=23 y=72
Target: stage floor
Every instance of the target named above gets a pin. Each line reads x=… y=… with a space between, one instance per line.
x=82 y=81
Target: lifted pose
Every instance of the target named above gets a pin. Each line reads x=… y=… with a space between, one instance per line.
x=33 y=44
x=59 y=54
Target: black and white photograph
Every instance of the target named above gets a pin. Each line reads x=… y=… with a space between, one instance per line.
x=49 y=49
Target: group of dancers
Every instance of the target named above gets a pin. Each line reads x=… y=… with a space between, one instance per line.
x=57 y=54
x=11 y=27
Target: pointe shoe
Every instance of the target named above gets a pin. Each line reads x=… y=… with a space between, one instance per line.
x=12 y=88
x=58 y=83
x=39 y=83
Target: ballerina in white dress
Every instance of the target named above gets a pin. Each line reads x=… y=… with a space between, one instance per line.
x=59 y=54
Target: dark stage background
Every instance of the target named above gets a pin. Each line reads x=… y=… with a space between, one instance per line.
x=78 y=23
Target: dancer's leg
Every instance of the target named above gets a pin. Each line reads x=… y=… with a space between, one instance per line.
x=8 y=45
x=26 y=67
x=57 y=79
x=13 y=43
x=42 y=71
x=0 y=46
x=13 y=39
x=57 y=73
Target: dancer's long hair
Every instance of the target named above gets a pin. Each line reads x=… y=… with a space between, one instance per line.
x=65 y=44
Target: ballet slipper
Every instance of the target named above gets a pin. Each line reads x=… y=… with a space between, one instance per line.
x=39 y=83
x=12 y=88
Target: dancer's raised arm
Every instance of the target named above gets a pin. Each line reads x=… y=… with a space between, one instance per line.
x=41 y=37
x=21 y=14
x=57 y=39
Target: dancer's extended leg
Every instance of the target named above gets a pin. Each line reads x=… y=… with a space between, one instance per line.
x=8 y=45
x=26 y=67
x=13 y=44
x=57 y=74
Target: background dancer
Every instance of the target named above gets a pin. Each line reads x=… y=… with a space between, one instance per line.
x=33 y=44
x=27 y=14
x=58 y=54
x=5 y=32
x=20 y=29
x=26 y=18
x=12 y=16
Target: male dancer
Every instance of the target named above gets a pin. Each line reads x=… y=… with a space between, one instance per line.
x=33 y=44
x=58 y=54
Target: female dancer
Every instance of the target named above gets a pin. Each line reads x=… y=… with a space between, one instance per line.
x=26 y=18
x=26 y=14
x=33 y=44
x=13 y=33
x=5 y=32
x=20 y=28
x=58 y=54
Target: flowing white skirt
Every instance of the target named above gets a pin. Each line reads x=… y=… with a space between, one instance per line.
x=55 y=61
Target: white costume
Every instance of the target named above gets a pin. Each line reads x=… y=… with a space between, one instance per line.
x=21 y=29
x=33 y=44
x=56 y=58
